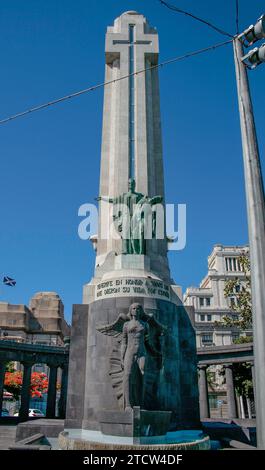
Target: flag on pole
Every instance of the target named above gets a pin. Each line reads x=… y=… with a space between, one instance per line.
x=8 y=281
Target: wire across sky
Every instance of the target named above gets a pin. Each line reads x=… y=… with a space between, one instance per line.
x=103 y=84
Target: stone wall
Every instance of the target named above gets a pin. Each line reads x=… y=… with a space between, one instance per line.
x=170 y=387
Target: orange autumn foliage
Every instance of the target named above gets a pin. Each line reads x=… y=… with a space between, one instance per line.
x=38 y=383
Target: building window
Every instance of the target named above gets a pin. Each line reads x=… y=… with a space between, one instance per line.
x=232 y=264
x=207 y=339
x=209 y=317
x=237 y=288
x=232 y=302
x=208 y=301
x=240 y=267
x=202 y=317
x=201 y=301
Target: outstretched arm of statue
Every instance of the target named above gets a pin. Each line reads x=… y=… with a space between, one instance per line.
x=155 y=200
x=103 y=198
x=124 y=342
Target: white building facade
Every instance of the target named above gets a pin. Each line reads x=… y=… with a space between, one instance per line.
x=209 y=302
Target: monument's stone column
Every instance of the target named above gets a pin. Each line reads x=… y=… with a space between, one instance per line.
x=131 y=135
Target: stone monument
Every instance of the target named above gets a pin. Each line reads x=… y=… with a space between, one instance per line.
x=132 y=370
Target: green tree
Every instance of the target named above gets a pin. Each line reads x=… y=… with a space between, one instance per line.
x=239 y=291
x=242 y=378
x=10 y=367
x=211 y=380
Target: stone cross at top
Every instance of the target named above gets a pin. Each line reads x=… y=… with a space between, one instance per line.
x=131 y=29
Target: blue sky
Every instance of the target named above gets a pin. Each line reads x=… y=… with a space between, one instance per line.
x=50 y=160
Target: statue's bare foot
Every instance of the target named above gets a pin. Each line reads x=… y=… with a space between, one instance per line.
x=128 y=408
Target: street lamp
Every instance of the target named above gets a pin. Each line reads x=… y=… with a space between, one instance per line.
x=255 y=206
x=253 y=33
x=254 y=57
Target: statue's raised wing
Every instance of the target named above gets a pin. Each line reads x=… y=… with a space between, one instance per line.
x=115 y=328
x=153 y=323
x=115 y=371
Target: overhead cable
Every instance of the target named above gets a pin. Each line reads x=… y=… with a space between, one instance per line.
x=101 y=85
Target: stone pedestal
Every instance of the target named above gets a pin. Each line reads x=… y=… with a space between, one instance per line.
x=87 y=440
x=172 y=387
x=134 y=423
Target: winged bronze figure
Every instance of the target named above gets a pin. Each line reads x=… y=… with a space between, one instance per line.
x=138 y=335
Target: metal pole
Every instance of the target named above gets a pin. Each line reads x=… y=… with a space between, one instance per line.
x=256 y=230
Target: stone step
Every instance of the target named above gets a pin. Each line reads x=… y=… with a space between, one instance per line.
x=7 y=432
x=7 y=436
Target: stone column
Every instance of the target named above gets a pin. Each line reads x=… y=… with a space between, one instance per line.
x=51 y=399
x=253 y=382
x=25 y=392
x=253 y=375
x=63 y=394
x=2 y=381
x=253 y=379
x=203 y=391
x=230 y=390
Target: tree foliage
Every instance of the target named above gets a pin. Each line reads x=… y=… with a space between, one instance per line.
x=240 y=290
x=38 y=385
x=211 y=380
x=242 y=378
x=10 y=367
x=243 y=339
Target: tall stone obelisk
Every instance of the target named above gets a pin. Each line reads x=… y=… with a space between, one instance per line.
x=131 y=138
x=132 y=345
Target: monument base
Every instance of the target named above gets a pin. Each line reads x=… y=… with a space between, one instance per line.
x=95 y=377
x=79 y=439
x=136 y=423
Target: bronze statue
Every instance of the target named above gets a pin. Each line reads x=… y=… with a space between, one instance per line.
x=130 y=217
x=138 y=335
x=143 y=223
x=133 y=354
